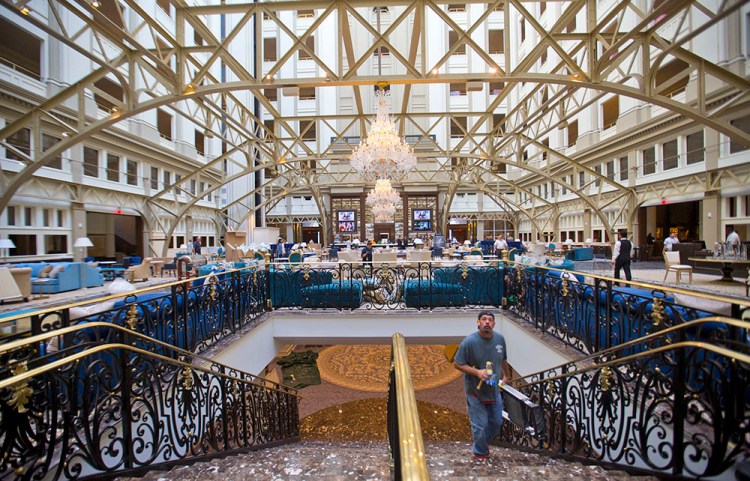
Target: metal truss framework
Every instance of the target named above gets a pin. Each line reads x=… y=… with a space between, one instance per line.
x=158 y=66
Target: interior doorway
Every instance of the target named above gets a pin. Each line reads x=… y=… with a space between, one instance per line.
x=311 y=234
x=385 y=231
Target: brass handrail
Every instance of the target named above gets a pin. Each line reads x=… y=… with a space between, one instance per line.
x=61 y=307
x=645 y=285
x=739 y=356
x=411 y=445
x=73 y=357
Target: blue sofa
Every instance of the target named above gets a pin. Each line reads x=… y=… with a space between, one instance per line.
x=69 y=279
x=287 y=285
x=484 y=285
x=581 y=254
x=428 y=293
x=341 y=294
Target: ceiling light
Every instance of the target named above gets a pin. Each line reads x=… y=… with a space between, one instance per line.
x=383 y=154
x=95 y=3
x=383 y=199
x=25 y=10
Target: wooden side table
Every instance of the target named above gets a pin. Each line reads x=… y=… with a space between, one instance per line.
x=43 y=286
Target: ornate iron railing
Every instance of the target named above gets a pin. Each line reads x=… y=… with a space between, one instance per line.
x=87 y=408
x=600 y=314
x=666 y=403
x=404 y=431
x=385 y=286
x=191 y=314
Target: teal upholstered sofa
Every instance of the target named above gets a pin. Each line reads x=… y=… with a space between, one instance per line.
x=484 y=285
x=287 y=285
x=69 y=278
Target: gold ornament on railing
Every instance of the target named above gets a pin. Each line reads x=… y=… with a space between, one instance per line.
x=565 y=290
x=464 y=270
x=550 y=388
x=132 y=316
x=306 y=273
x=187 y=379
x=21 y=392
x=605 y=379
x=657 y=313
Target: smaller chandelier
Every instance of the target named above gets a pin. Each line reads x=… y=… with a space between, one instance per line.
x=383 y=199
x=383 y=154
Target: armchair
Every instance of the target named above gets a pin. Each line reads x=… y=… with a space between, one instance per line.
x=381 y=257
x=295 y=257
x=141 y=271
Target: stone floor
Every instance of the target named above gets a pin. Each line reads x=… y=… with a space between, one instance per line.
x=369 y=460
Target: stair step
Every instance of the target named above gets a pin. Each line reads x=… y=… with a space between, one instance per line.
x=369 y=461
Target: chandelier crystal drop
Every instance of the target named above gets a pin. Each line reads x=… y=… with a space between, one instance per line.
x=383 y=199
x=383 y=154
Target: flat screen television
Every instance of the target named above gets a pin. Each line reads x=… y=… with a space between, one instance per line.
x=422 y=214
x=422 y=220
x=422 y=225
x=347 y=226
x=347 y=216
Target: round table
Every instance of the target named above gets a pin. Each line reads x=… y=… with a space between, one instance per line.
x=727 y=265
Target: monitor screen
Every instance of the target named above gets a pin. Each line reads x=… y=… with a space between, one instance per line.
x=422 y=225
x=422 y=214
x=346 y=216
x=347 y=226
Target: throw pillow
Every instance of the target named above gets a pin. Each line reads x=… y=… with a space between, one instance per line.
x=44 y=272
x=56 y=270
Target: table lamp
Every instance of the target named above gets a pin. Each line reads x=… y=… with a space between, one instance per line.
x=6 y=244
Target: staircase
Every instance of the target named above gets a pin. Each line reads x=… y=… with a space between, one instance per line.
x=329 y=461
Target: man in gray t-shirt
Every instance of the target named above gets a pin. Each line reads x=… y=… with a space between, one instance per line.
x=483 y=358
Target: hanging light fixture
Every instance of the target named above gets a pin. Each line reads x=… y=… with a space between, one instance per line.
x=383 y=200
x=383 y=154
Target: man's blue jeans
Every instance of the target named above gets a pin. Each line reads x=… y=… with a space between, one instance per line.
x=486 y=420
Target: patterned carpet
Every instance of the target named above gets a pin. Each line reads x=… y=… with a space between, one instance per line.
x=365 y=367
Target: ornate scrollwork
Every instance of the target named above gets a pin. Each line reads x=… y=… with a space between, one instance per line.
x=565 y=289
x=464 y=270
x=21 y=392
x=657 y=313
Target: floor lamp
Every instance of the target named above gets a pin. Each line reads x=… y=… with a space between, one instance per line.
x=81 y=243
x=6 y=244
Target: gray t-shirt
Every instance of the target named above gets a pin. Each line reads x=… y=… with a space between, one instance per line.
x=475 y=351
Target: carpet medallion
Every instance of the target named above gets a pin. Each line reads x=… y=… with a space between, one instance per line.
x=365 y=367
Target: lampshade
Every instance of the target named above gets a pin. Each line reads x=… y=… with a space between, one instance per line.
x=83 y=242
x=7 y=244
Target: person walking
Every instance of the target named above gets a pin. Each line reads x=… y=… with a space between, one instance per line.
x=621 y=255
x=483 y=358
x=197 y=245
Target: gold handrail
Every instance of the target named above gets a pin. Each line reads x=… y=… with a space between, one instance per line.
x=110 y=297
x=73 y=357
x=739 y=356
x=645 y=285
x=413 y=464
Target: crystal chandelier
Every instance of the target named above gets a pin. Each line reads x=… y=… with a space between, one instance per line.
x=383 y=154
x=382 y=200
